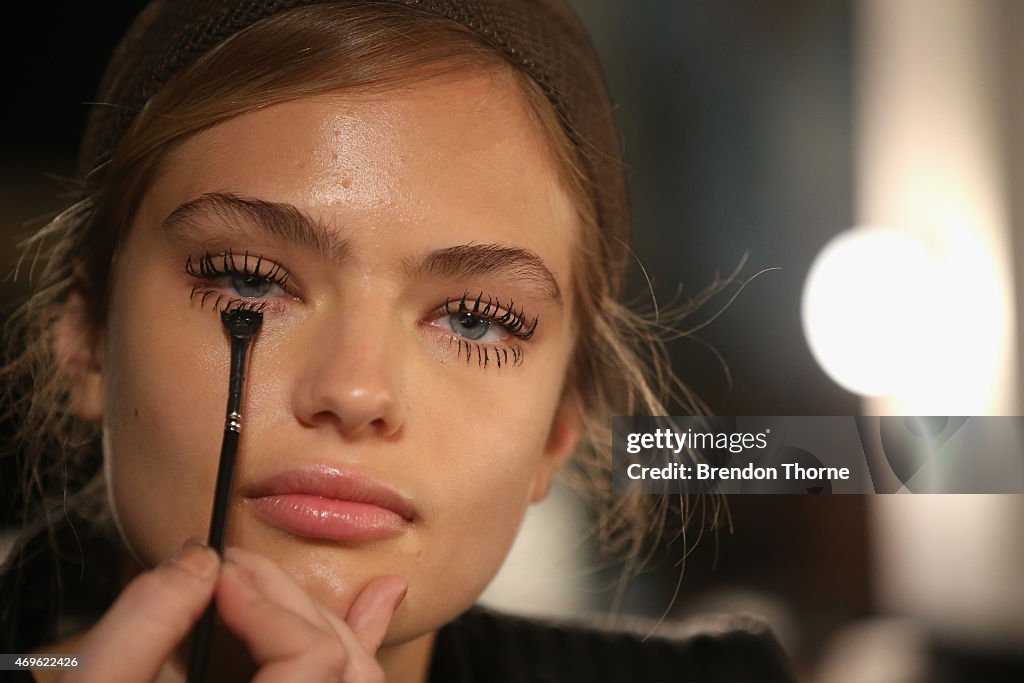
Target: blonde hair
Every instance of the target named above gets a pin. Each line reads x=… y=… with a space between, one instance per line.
x=620 y=366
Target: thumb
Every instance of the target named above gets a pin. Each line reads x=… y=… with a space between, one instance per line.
x=370 y=614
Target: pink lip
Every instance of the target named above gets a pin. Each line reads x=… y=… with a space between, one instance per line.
x=325 y=502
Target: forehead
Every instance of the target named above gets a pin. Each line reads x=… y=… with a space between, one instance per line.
x=450 y=159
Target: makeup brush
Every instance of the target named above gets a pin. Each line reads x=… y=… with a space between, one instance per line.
x=242 y=325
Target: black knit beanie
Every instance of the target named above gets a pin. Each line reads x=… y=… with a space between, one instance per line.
x=544 y=37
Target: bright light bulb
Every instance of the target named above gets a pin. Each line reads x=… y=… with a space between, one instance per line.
x=871 y=312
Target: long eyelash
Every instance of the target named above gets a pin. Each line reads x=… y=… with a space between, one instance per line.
x=232 y=303
x=503 y=355
x=213 y=266
x=511 y=320
x=225 y=265
x=514 y=321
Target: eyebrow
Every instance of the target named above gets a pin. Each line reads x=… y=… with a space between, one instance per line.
x=288 y=223
x=281 y=221
x=469 y=260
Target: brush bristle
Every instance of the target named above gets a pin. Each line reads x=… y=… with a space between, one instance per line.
x=242 y=322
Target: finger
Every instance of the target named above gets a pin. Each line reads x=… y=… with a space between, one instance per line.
x=277 y=586
x=286 y=645
x=371 y=613
x=150 y=618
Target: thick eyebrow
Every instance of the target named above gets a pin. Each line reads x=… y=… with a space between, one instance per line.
x=282 y=221
x=290 y=224
x=469 y=260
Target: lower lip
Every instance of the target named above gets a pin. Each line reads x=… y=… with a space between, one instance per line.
x=329 y=518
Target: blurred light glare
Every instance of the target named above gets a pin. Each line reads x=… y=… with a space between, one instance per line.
x=871 y=311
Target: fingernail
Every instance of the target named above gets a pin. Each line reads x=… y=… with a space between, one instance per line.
x=195 y=541
x=401 y=597
x=196 y=559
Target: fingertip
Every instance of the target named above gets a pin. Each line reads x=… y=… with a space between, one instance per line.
x=374 y=608
x=195 y=541
x=397 y=585
x=389 y=585
x=236 y=594
x=233 y=553
x=238 y=574
x=197 y=559
x=248 y=560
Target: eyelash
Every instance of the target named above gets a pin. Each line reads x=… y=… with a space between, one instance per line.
x=208 y=269
x=212 y=267
x=483 y=352
x=512 y=321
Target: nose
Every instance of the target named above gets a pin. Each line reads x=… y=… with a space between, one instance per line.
x=348 y=377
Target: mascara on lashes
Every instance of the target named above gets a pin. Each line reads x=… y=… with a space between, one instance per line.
x=512 y=321
x=209 y=270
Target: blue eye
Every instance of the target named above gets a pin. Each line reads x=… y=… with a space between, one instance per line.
x=468 y=325
x=474 y=320
x=251 y=286
x=252 y=277
x=472 y=327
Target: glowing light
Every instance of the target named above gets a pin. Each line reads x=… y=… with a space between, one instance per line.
x=872 y=312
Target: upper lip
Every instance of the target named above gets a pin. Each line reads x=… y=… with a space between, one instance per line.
x=331 y=482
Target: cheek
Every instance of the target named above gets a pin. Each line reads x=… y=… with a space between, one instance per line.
x=473 y=520
x=486 y=431
x=164 y=379
x=488 y=458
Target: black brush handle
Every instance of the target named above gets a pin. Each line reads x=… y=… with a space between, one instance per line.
x=225 y=477
x=221 y=500
x=201 y=645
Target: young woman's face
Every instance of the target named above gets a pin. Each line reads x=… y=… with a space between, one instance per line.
x=373 y=210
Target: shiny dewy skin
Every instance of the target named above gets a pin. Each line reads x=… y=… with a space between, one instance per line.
x=358 y=371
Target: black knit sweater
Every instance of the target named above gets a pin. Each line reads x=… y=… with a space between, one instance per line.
x=484 y=645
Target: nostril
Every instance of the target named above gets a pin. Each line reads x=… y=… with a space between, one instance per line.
x=353 y=413
x=349 y=387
